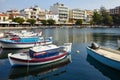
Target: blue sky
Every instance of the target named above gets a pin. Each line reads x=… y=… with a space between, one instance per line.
x=45 y=4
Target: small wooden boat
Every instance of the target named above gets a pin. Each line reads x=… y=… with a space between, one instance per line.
x=40 y=55
x=24 y=42
x=106 y=56
x=24 y=71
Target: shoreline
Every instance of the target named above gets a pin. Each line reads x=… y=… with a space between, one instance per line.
x=43 y=27
x=10 y=28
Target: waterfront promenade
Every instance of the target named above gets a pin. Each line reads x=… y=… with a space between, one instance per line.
x=11 y=28
x=43 y=27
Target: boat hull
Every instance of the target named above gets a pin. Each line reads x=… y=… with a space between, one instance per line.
x=24 y=62
x=22 y=45
x=17 y=72
x=107 y=61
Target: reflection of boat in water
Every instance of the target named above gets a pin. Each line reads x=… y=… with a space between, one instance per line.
x=107 y=71
x=22 y=71
x=4 y=52
x=105 y=55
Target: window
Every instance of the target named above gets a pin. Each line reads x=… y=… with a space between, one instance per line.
x=3 y=18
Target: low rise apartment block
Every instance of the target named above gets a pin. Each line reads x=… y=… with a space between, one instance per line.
x=62 y=11
x=115 y=10
x=76 y=14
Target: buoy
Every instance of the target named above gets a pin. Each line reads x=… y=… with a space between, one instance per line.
x=77 y=51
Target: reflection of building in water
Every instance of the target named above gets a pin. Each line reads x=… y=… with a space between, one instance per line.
x=56 y=34
x=66 y=38
x=103 y=38
x=81 y=35
x=61 y=35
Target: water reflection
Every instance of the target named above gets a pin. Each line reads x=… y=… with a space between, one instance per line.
x=80 y=38
x=39 y=71
x=4 y=52
x=107 y=71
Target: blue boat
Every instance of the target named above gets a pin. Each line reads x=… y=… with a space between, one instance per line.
x=24 y=42
x=105 y=55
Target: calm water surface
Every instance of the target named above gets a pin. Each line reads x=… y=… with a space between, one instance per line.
x=81 y=67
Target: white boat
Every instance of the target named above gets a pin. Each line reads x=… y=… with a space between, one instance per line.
x=22 y=33
x=106 y=56
x=18 y=72
x=38 y=55
x=24 y=42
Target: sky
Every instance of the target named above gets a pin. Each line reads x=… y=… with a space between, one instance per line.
x=45 y=4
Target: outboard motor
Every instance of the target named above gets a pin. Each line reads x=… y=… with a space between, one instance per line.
x=67 y=47
x=94 y=45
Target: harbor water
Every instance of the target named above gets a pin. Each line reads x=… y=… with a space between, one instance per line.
x=80 y=65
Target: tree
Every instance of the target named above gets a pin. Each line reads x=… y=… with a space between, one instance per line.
x=31 y=21
x=79 y=22
x=44 y=22
x=97 y=18
x=91 y=22
x=18 y=20
x=51 y=22
x=116 y=19
x=106 y=18
x=102 y=18
x=103 y=11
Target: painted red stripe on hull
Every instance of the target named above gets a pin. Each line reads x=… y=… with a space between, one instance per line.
x=34 y=60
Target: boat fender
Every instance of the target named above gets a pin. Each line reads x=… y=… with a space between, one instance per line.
x=77 y=51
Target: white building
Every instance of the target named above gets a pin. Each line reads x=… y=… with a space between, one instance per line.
x=52 y=16
x=62 y=11
x=33 y=13
x=75 y=14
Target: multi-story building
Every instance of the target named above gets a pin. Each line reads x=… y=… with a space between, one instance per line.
x=41 y=15
x=33 y=13
x=4 y=17
x=115 y=10
x=13 y=13
x=75 y=14
x=62 y=11
x=88 y=15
